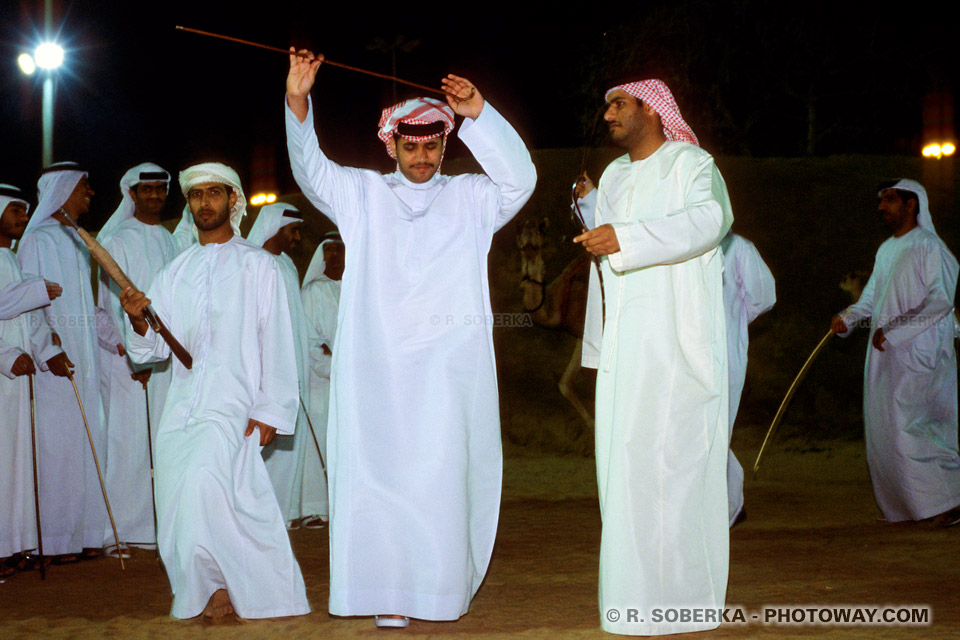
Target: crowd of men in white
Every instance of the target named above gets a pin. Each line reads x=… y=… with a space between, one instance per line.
x=401 y=415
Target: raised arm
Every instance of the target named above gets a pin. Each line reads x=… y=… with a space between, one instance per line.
x=496 y=146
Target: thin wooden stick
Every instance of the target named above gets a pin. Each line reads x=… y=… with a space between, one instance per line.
x=323 y=465
x=103 y=487
x=36 y=483
x=325 y=60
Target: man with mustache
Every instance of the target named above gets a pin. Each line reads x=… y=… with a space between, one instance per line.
x=74 y=516
x=910 y=376
x=141 y=246
x=221 y=534
x=661 y=360
x=26 y=344
x=414 y=427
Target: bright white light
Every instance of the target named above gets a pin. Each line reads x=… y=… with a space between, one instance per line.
x=271 y=198
x=27 y=65
x=49 y=55
x=258 y=199
x=931 y=151
x=947 y=149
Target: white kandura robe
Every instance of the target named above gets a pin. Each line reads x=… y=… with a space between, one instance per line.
x=220 y=526
x=23 y=295
x=413 y=435
x=20 y=334
x=72 y=508
x=910 y=388
x=140 y=250
x=661 y=417
x=293 y=463
x=321 y=303
x=748 y=291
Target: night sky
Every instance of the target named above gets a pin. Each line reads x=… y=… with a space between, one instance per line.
x=133 y=89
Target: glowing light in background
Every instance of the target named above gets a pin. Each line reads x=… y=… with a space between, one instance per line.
x=938 y=150
x=263 y=198
x=27 y=65
x=48 y=55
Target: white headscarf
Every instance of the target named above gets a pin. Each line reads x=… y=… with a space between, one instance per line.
x=10 y=193
x=923 y=209
x=54 y=187
x=127 y=207
x=186 y=231
x=270 y=220
x=317 y=264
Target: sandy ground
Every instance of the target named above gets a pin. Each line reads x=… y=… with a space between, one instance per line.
x=810 y=539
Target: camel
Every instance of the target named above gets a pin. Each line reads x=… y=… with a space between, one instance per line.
x=560 y=304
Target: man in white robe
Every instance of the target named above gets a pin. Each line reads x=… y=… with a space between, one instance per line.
x=748 y=291
x=321 y=303
x=910 y=377
x=413 y=434
x=138 y=242
x=293 y=462
x=25 y=345
x=221 y=534
x=73 y=512
x=661 y=423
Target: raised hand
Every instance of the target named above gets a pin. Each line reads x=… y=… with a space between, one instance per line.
x=462 y=96
x=300 y=79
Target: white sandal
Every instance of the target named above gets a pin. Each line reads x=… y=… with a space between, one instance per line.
x=391 y=622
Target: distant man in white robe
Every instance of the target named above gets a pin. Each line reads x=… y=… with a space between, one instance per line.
x=661 y=424
x=910 y=377
x=414 y=432
x=748 y=291
x=138 y=242
x=73 y=513
x=321 y=302
x=293 y=462
x=25 y=345
x=221 y=534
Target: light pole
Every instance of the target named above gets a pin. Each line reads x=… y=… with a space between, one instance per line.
x=48 y=56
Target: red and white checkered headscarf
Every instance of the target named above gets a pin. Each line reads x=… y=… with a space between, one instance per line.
x=414 y=111
x=656 y=94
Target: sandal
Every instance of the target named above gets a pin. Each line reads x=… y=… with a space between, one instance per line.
x=313 y=522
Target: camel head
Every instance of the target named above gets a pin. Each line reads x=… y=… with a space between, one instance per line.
x=854 y=282
x=530 y=243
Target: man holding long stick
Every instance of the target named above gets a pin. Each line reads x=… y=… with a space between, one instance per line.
x=140 y=245
x=74 y=514
x=25 y=344
x=910 y=376
x=221 y=534
x=414 y=456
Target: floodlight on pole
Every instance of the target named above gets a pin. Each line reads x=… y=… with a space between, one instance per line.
x=48 y=55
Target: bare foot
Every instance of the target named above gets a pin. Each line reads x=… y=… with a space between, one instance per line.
x=219 y=605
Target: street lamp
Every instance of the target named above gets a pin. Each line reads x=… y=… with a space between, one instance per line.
x=48 y=56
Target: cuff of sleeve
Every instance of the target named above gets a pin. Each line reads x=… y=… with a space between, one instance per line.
x=7 y=359
x=273 y=415
x=293 y=122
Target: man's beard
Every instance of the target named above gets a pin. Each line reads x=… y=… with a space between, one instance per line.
x=211 y=223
